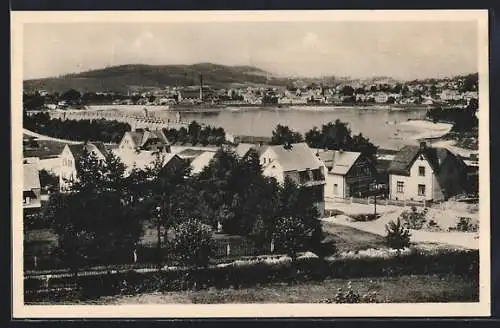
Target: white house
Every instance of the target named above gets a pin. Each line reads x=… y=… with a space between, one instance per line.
x=31 y=187
x=201 y=161
x=298 y=163
x=424 y=173
x=348 y=173
x=144 y=140
x=69 y=157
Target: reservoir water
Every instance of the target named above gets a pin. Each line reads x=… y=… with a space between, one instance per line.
x=388 y=129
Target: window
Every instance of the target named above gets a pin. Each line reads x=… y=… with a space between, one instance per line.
x=421 y=190
x=303 y=176
x=400 y=186
x=27 y=200
x=335 y=189
x=421 y=171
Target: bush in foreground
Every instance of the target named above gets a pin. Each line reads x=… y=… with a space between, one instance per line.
x=193 y=243
x=398 y=237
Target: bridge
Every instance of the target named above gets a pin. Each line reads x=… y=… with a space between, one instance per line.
x=136 y=121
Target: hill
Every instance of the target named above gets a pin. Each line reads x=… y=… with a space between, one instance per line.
x=122 y=78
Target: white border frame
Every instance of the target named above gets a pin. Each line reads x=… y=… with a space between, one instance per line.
x=482 y=308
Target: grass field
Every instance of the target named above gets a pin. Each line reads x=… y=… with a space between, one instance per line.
x=404 y=289
x=38 y=241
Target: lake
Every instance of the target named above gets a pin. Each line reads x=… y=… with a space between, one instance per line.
x=388 y=129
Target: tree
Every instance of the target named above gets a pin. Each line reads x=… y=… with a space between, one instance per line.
x=347 y=91
x=33 y=101
x=284 y=135
x=363 y=145
x=337 y=135
x=299 y=203
x=94 y=220
x=192 y=242
x=49 y=181
x=71 y=95
x=398 y=237
x=290 y=235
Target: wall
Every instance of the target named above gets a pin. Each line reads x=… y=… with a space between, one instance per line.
x=331 y=180
x=359 y=178
x=67 y=168
x=274 y=170
x=410 y=191
x=127 y=143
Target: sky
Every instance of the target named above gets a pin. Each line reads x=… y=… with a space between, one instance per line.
x=402 y=50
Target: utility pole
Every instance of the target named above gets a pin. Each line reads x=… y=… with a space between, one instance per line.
x=158 y=231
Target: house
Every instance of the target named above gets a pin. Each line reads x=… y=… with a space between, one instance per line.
x=472 y=164
x=349 y=174
x=381 y=98
x=45 y=153
x=145 y=159
x=31 y=189
x=190 y=154
x=69 y=158
x=243 y=148
x=144 y=140
x=425 y=173
x=298 y=163
x=201 y=161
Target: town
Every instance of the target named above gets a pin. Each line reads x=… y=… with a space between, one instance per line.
x=456 y=91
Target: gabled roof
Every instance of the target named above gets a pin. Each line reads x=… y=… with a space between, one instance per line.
x=31 y=178
x=407 y=155
x=243 y=148
x=298 y=157
x=141 y=137
x=190 y=153
x=143 y=159
x=96 y=147
x=200 y=162
x=339 y=162
x=45 y=149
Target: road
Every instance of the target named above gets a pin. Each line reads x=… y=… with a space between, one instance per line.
x=43 y=137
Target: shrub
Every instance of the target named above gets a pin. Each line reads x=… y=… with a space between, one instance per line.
x=333 y=212
x=398 y=237
x=465 y=224
x=414 y=219
x=351 y=296
x=432 y=225
x=193 y=243
x=364 y=217
x=290 y=235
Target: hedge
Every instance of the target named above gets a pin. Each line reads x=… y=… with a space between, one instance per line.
x=460 y=262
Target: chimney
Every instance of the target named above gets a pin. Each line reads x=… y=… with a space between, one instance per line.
x=423 y=145
x=201 y=87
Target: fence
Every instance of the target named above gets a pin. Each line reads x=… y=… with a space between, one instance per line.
x=371 y=201
x=44 y=258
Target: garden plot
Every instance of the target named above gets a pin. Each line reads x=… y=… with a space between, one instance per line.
x=445 y=218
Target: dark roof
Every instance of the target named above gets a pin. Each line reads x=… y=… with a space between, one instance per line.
x=382 y=165
x=141 y=137
x=407 y=155
x=382 y=151
x=101 y=147
x=78 y=149
x=45 y=149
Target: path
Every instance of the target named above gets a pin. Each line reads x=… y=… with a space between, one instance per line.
x=445 y=217
x=44 y=137
x=450 y=145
